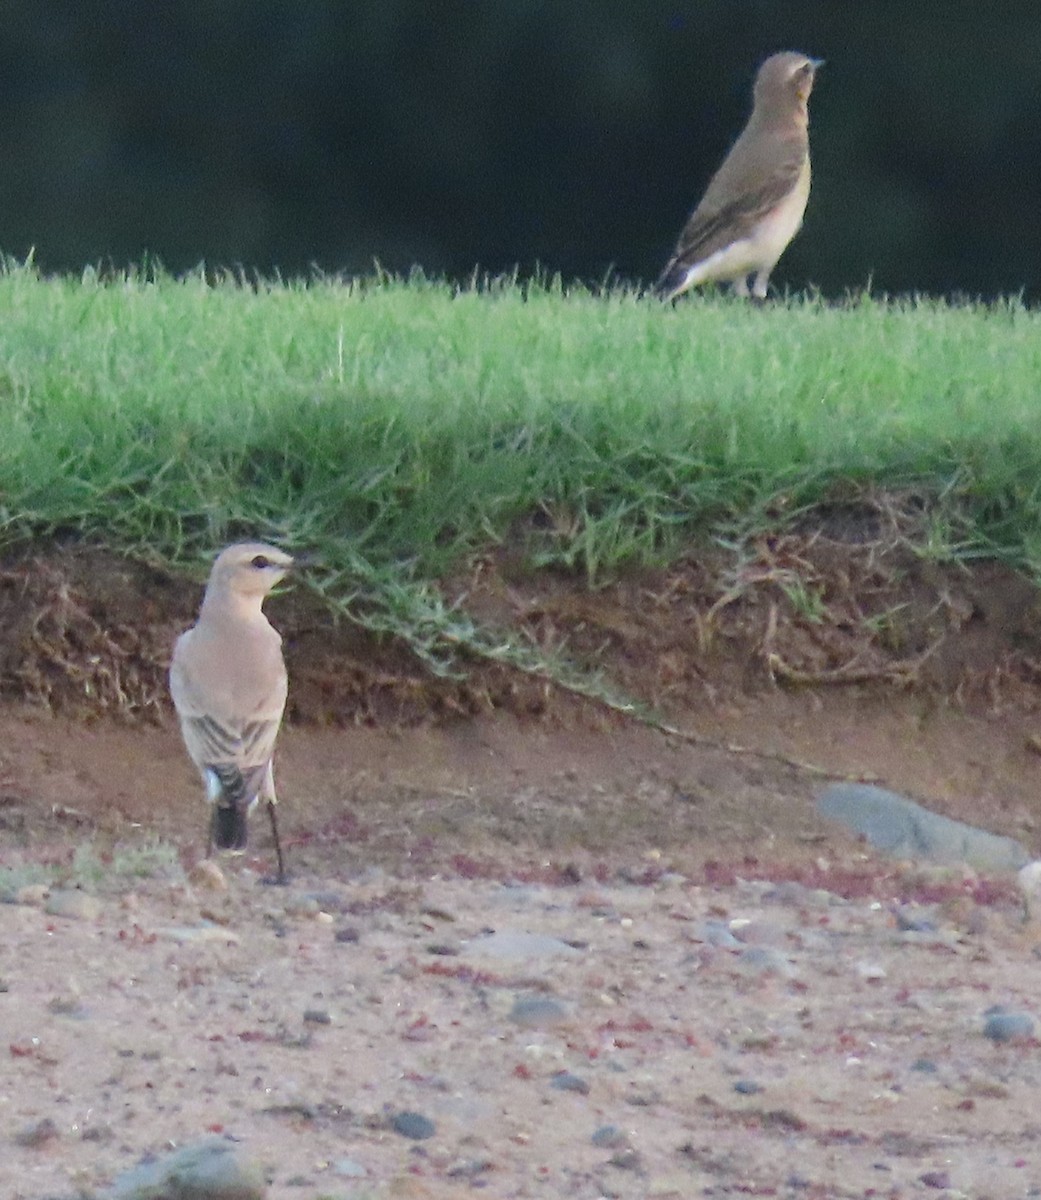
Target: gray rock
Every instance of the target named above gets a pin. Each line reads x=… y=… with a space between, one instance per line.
x=789 y=893
x=36 y=1134
x=747 y=1087
x=212 y=1169
x=717 y=933
x=300 y=906
x=911 y=920
x=608 y=1137
x=469 y=1168
x=564 y=1081
x=443 y=949
x=626 y=1159
x=870 y=972
x=538 y=1012
x=763 y=960
x=756 y=931
x=205 y=931
x=1002 y=1026
x=898 y=826
x=413 y=1125
x=509 y=944
x=73 y=904
x=349 y=1169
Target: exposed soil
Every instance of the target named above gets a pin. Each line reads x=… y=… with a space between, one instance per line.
x=419 y=812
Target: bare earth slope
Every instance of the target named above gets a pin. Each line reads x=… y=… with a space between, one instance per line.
x=742 y=1000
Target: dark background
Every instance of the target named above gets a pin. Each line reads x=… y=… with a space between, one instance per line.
x=571 y=134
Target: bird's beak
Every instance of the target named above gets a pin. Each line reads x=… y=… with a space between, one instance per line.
x=816 y=63
x=306 y=558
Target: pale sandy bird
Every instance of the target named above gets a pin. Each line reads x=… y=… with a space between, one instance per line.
x=754 y=203
x=228 y=683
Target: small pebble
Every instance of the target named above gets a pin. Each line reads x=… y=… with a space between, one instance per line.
x=762 y=960
x=871 y=972
x=792 y=894
x=347 y=933
x=747 y=1087
x=437 y=914
x=97 y=1133
x=564 y=1081
x=643 y=1096
x=205 y=931
x=909 y=920
x=925 y=1065
x=538 y=1012
x=66 y=1006
x=717 y=933
x=626 y=1159
x=317 y=1016
x=36 y=1134
x=756 y=931
x=413 y=1125
x=349 y=1169
x=608 y=1137
x=1008 y=1026
x=519 y=945
x=469 y=1168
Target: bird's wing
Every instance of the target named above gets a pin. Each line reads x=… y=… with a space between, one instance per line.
x=220 y=724
x=741 y=193
x=213 y=744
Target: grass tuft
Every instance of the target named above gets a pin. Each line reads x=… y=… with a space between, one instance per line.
x=399 y=427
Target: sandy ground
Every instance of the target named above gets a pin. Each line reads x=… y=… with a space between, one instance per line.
x=725 y=996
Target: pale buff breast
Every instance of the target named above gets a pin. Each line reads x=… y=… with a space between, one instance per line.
x=777 y=229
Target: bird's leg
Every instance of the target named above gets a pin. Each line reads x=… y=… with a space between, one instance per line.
x=281 y=877
x=759 y=285
x=741 y=286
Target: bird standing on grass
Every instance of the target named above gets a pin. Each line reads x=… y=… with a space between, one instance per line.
x=228 y=682
x=754 y=203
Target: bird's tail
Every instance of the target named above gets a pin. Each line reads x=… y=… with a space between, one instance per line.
x=233 y=796
x=673 y=280
x=230 y=829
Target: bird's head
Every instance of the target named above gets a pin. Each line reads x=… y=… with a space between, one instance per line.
x=249 y=568
x=786 y=77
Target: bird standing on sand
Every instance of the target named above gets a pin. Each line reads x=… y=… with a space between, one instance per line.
x=228 y=683
x=754 y=203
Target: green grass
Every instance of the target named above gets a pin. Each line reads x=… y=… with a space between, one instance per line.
x=397 y=427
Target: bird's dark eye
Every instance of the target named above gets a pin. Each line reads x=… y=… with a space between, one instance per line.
x=260 y=562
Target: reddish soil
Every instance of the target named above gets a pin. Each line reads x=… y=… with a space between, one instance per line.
x=418 y=812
